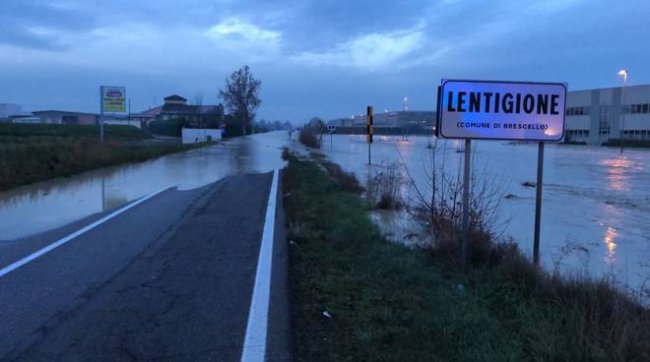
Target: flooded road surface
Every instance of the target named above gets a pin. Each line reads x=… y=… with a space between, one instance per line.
x=596 y=206
x=47 y=205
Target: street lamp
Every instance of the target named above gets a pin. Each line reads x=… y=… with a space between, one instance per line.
x=623 y=73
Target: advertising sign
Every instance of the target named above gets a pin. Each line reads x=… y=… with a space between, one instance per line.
x=474 y=109
x=113 y=99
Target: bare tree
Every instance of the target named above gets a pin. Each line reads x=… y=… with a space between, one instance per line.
x=440 y=203
x=241 y=96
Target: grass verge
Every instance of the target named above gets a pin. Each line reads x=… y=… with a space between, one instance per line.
x=31 y=153
x=388 y=302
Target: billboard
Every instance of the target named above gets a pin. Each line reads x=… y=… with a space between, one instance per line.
x=475 y=109
x=113 y=99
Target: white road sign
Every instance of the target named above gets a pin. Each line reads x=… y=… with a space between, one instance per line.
x=477 y=109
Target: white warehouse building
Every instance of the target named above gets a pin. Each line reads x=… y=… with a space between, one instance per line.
x=597 y=116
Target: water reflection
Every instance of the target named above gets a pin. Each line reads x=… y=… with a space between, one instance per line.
x=609 y=240
x=617 y=173
x=43 y=206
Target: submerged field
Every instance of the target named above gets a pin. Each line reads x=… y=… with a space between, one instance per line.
x=31 y=153
x=357 y=296
x=595 y=209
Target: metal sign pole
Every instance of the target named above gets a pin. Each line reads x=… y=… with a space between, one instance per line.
x=538 y=201
x=369 y=158
x=370 y=132
x=466 y=180
x=101 y=114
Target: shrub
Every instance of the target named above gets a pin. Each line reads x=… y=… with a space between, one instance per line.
x=383 y=189
x=309 y=136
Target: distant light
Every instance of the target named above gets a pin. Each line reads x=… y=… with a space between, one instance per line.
x=622 y=72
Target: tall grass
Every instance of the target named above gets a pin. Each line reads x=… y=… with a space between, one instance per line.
x=384 y=188
x=31 y=153
x=113 y=132
x=309 y=136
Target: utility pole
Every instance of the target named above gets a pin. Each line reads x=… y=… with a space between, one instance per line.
x=623 y=73
x=101 y=114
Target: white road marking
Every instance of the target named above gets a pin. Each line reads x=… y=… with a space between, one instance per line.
x=8 y=269
x=255 y=342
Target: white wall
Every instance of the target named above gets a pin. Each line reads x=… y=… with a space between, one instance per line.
x=578 y=98
x=577 y=122
x=637 y=121
x=193 y=135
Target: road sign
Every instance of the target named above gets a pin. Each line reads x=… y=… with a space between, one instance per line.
x=113 y=99
x=331 y=128
x=471 y=109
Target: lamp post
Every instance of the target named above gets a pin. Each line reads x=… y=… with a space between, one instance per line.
x=623 y=73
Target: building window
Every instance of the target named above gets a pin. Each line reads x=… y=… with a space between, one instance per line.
x=646 y=108
x=577 y=111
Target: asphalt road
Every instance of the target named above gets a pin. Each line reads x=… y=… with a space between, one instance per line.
x=169 y=279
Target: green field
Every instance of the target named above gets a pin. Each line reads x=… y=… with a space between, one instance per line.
x=31 y=153
x=387 y=302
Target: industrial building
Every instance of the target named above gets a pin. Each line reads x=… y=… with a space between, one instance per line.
x=13 y=114
x=9 y=109
x=65 y=117
x=176 y=107
x=389 y=122
x=599 y=116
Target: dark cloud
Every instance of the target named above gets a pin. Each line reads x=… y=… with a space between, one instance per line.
x=21 y=24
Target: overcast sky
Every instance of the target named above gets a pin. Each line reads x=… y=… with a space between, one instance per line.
x=314 y=57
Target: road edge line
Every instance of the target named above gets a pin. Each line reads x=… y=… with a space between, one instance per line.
x=25 y=260
x=254 y=349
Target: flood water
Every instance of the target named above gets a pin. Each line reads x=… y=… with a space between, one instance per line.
x=47 y=205
x=595 y=216
x=596 y=203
